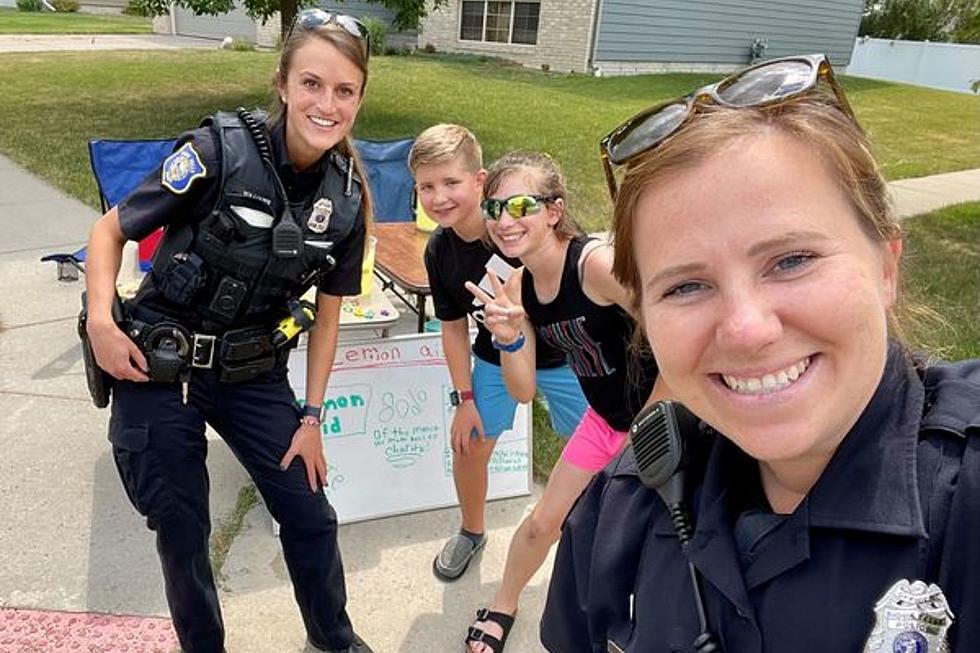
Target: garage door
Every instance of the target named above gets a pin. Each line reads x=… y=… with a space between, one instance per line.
x=235 y=23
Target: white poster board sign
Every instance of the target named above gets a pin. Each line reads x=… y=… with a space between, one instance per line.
x=386 y=430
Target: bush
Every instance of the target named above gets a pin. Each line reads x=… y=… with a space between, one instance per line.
x=136 y=8
x=377 y=33
x=29 y=5
x=65 y=6
x=398 y=50
x=242 y=45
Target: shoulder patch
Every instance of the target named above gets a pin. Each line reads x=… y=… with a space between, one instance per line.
x=181 y=168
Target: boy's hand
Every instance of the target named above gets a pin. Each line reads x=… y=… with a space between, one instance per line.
x=465 y=421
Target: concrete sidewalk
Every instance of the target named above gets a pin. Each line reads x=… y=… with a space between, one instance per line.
x=924 y=194
x=71 y=541
x=93 y=42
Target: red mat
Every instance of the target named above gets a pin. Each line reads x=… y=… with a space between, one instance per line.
x=47 y=631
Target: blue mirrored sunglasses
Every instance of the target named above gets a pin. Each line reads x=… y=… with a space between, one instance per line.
x=315 y=17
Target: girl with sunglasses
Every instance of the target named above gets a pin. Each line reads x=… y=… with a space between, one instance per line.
x=566 y=296
x=835 y=508
x=256 y=210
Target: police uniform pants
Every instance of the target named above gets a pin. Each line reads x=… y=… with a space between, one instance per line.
x=160 y=449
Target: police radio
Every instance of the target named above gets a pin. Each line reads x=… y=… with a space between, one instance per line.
x=287 y=237
x=667 y=440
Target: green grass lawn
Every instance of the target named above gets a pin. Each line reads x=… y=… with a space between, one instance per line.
x=942 y=272
x=13 y=21
x=53 y=103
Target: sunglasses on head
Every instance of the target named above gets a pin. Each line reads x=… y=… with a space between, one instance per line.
x=764 y=84
x=315 y=17
x=517 y=206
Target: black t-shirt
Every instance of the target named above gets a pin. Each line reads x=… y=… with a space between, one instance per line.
x=152 y=205
x=450 y=262
x=596 y=340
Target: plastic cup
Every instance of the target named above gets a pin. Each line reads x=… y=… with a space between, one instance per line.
x=367 y=267
x=422 y=221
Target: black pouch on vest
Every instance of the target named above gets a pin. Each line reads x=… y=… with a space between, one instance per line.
x=182 y=278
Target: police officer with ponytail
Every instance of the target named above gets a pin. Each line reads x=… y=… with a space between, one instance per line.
x=256 y=210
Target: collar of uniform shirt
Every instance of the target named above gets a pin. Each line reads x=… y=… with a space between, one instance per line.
x=871 y=483
x=277 y=131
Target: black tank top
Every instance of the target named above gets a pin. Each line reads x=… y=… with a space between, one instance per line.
x=596 y=342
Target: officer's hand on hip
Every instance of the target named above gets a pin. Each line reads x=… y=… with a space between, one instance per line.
x=115 y=352
x=307 y=443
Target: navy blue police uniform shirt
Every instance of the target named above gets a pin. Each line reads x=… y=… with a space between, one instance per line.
x=450 y=262
x=903 y=486
x=152 y=205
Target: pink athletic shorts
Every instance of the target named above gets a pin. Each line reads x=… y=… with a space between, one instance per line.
x=594 y=443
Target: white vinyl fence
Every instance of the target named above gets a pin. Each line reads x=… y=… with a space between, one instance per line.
x=948 y=66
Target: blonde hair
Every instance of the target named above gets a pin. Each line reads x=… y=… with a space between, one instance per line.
x=544 y=174
x=352 y=49
x=446 y=142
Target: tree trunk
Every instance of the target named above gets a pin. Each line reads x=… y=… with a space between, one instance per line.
x=287 y=15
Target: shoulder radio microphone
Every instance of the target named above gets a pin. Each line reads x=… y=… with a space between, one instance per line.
x=667 y=440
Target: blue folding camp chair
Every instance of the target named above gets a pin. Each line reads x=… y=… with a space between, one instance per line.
x=118 y=166
x=392 y=188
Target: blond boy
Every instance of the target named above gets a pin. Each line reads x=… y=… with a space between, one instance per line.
x=447 y=162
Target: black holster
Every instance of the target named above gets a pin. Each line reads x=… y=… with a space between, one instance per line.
x=99 y=381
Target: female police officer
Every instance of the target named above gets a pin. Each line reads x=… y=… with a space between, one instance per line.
x=836 y=509
x=255 y=212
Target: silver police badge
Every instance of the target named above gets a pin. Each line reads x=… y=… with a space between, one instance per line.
x=910 y=618
x=319 y=218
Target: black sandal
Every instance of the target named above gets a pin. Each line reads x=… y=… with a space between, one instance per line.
x=477 y=635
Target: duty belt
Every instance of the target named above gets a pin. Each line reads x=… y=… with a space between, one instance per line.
x=172 y=350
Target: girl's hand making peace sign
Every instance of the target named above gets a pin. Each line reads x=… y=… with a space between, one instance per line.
x=503 y=313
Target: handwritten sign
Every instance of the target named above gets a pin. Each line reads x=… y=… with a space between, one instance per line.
x=386 y=430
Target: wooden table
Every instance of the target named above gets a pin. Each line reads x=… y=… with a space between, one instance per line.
x=399 y=263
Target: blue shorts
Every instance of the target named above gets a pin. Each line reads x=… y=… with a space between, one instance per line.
x=561 y=390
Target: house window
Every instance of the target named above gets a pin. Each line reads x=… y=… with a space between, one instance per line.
x=499 y=22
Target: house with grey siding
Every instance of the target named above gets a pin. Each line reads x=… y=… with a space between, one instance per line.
x=615 y=37
x=237 y=24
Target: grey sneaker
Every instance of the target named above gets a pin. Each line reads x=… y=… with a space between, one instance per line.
x=455 y=556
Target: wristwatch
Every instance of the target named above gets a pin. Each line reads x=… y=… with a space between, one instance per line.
x=456 y=397
x=310 y=410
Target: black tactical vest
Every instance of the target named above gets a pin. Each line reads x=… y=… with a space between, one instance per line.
x=221 y=273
